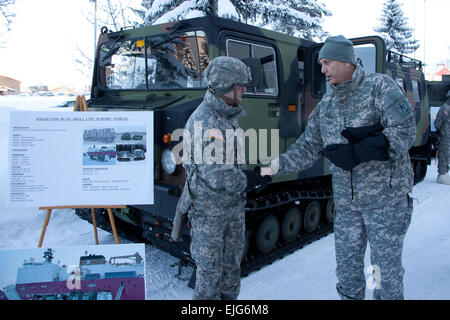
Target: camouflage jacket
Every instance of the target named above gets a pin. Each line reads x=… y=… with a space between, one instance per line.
x=216 y=184
x=442 y=122
x=364 y=101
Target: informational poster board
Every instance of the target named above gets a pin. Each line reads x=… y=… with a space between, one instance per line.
x=80 y=158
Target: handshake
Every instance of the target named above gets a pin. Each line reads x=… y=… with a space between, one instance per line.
x=255 y=181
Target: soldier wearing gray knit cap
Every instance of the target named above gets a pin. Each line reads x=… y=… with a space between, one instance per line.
x=338 y=48
x=364 y=125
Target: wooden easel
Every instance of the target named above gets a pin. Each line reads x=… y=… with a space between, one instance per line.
x=94 y=223
x=81 y=105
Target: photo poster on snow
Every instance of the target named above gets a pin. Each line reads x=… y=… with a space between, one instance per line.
x=82 y=272
x=80 y=158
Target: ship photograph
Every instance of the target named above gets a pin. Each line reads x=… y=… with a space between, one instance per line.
x=106 y=272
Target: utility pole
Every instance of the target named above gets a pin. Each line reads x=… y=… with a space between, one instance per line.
x=95 y=26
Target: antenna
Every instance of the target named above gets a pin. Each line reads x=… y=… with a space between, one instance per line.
x=424 y=33
x=415 y=26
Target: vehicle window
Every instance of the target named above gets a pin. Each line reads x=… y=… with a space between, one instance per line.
x=124 y=64
x=366 y=56
x=177 y=61
x=320 y=83
x=160 y=62
x=401 y=83
x=266 y=54
x=416 y=91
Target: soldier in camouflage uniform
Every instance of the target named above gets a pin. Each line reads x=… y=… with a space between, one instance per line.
x=442 y=124
x=365 y=126
x=214 y=192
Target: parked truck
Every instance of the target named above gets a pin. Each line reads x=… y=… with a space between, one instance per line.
x=160 y=68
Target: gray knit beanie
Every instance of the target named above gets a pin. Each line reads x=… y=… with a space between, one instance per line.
x=338 y=48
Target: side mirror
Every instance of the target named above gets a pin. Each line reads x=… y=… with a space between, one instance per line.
x=255 y=69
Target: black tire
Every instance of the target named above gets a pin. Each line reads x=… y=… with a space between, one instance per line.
x=329 y=211
x=291 y=225
x=420 y=170
x=246 y=244
x=267 y=234
x=312 y=217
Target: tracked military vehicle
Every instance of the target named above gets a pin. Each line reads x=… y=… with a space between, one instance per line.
x=159 y=68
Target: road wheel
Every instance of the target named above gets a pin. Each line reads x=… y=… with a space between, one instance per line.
x=291 y=224
x=267 y=234
x=329 y=211
x=312 y=216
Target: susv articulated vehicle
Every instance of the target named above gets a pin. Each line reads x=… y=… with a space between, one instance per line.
x=160 y=68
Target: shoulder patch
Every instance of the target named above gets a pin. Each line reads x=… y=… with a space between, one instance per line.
x=399 y=111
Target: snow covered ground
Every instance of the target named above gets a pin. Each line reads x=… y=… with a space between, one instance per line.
x=308 y=273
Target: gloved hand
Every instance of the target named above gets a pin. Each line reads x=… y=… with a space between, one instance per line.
x=348 y=156
x=355 y=135
x=372 y=148
x=342 y=155
x=254 y=179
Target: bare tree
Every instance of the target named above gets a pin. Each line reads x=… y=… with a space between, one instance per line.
x=113 y=14
x=6 y=17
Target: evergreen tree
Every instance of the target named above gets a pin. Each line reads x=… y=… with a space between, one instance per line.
x=295 y=17
x=140 y=12
x=187 y=56
x=394 y=29
x=204 y=55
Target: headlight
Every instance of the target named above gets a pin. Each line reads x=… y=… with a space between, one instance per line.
x=168 y=161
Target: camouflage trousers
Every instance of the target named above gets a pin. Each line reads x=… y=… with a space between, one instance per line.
x=444 y=154
x=217 y=245
x=384 y=229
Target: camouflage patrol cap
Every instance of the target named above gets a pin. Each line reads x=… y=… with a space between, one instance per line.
x=223 y=72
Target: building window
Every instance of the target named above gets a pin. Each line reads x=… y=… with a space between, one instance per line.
x=416 y=91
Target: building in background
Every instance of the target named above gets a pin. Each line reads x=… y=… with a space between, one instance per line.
x=437 y=72
x=61 y=89
x=9 y=86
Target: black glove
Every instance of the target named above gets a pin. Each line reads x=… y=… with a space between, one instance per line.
x=355 y=135
x=348 y=156
x=342 y=155
x=372 y=148
x=254 y=179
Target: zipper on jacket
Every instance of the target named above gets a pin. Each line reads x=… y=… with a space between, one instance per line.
x=351 y=170
x=351 y=181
